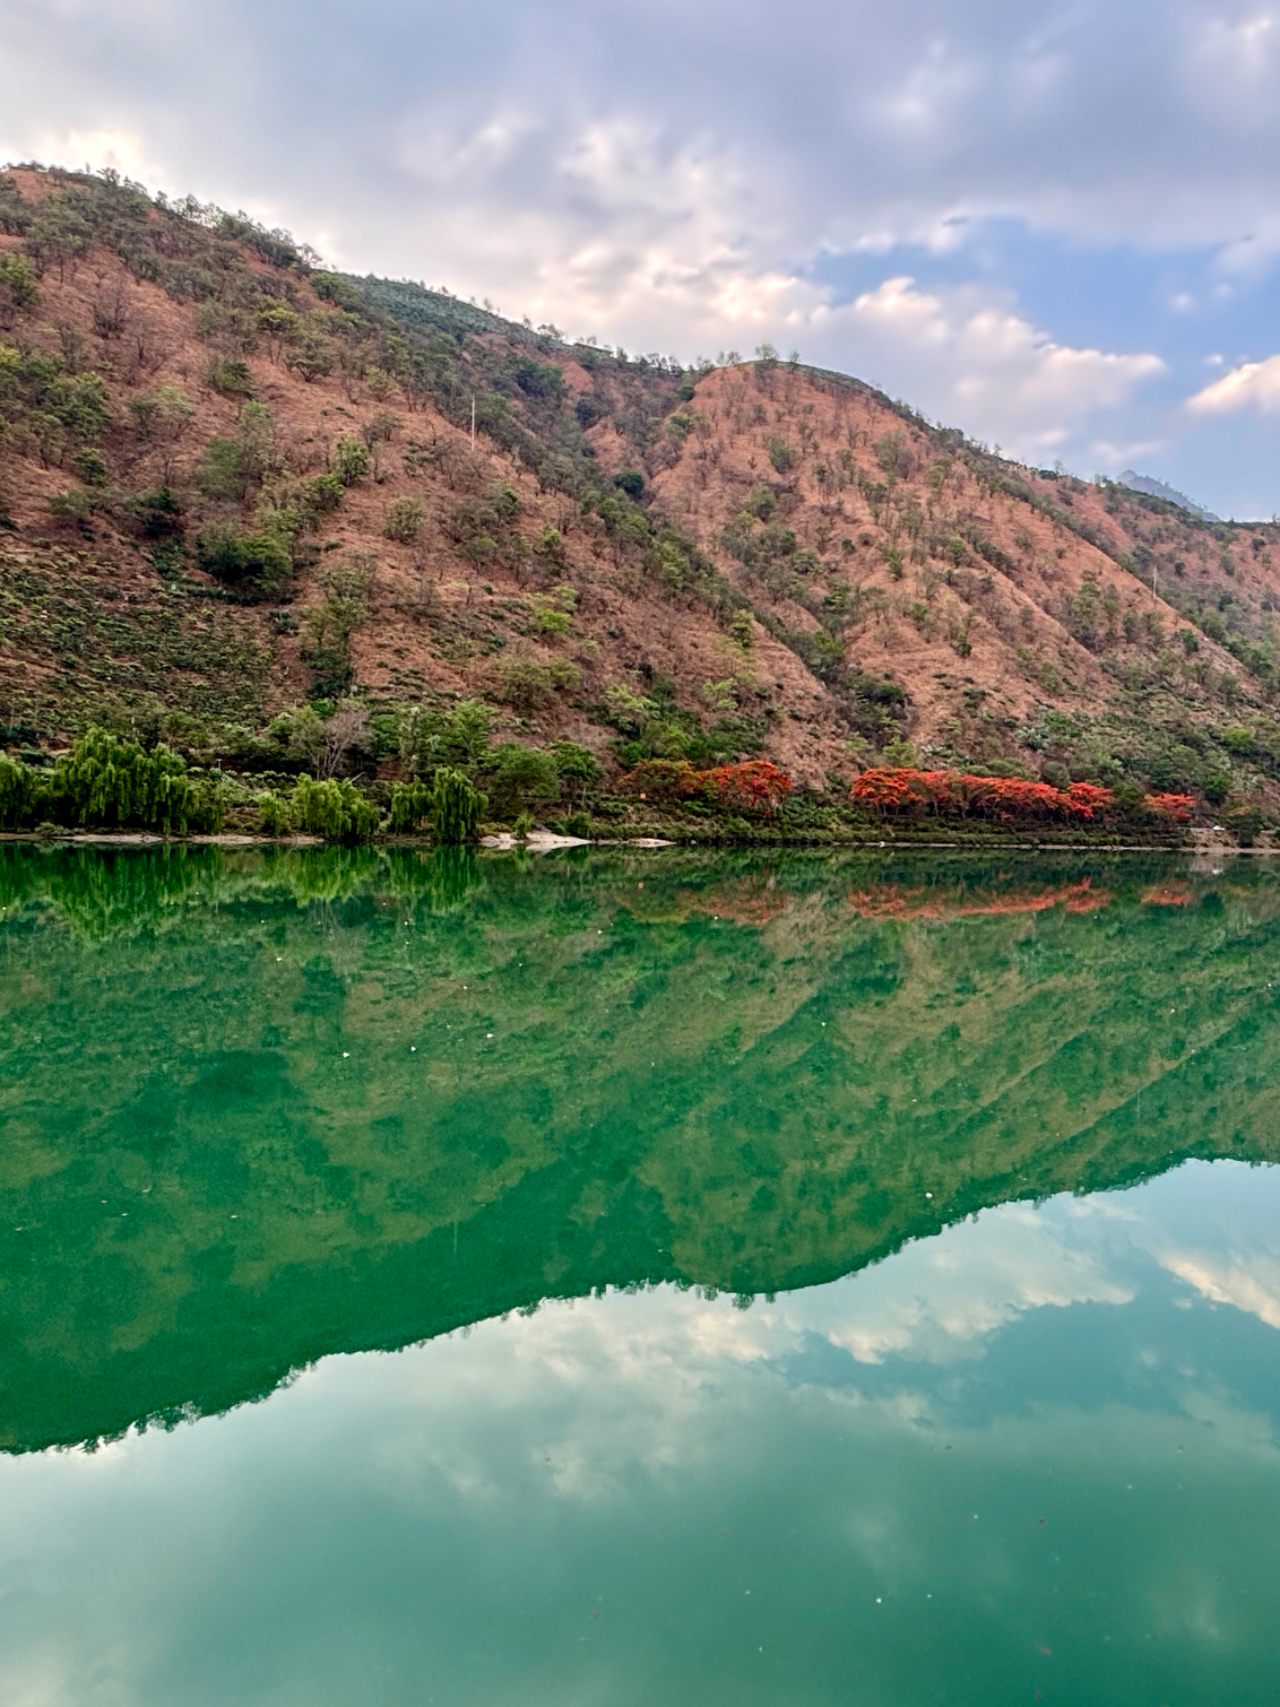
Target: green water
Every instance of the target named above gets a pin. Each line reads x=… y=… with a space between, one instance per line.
x=810 y=1281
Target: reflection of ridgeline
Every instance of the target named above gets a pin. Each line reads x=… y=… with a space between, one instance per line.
x=258 y=1107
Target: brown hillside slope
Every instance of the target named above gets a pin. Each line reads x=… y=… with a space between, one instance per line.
x=990 y=591
x=806 y=569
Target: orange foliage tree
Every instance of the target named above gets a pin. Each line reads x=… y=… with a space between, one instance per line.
x=1177 y=808
x=1010 y=799
x=757 y=785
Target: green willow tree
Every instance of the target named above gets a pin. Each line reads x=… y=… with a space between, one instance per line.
x=456 y=807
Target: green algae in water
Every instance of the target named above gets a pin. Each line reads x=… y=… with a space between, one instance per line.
x=626 y=1121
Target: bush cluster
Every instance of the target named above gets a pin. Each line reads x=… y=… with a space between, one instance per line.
x=108 y=783
x=903 y=791
x=755 y=785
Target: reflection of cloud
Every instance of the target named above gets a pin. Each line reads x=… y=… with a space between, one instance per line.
x=1254 y=1288
x=462 y=1508
x=936 y=1299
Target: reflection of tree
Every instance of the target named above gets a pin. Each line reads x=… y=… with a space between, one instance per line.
x=431 y=1086
x=443 y=877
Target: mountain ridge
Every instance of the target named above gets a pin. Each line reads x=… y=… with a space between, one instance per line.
x=1158 y=489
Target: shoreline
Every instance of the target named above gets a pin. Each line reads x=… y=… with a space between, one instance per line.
x=543 y=841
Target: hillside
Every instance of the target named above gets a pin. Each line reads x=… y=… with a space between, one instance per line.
x=235 y=484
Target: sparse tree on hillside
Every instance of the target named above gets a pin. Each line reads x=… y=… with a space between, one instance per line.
x=404 y=520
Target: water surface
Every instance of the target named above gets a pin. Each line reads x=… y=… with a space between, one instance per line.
x=819 y=1280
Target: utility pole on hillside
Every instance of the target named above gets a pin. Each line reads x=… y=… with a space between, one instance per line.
x=473 y=420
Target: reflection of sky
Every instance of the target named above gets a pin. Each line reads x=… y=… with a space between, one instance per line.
x=1036 y=1452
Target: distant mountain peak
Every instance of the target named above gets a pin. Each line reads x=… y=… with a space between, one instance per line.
x=1157 y=489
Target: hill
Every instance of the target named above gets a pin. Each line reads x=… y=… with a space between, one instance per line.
x=237 y=484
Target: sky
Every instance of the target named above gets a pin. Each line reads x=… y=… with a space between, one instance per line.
x=1056 y=226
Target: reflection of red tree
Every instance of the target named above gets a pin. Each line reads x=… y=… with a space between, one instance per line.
x=1170 y=895
x=1009 y=799
x=746 y=903
x=888 y=901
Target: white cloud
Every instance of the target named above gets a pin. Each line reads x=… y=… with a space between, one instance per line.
x=1252 y=385
x=1107 y=454
x=985 y=364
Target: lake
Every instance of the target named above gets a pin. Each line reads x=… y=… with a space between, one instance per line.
x=627 y=1277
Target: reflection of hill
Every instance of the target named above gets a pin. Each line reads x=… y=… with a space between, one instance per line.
x=261 y=1107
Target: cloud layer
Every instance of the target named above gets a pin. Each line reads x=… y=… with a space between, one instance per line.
x=675 y=177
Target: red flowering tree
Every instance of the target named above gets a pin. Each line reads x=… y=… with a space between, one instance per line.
x=1175 y=808
x=1010 y=799
x=890 y=789
x=1089 y=800
x=665 y=780
x=757 y=785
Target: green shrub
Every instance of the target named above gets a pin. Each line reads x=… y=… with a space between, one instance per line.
x=554 y=610
x=336 y=810
x=254 y=566
x=411 y=804
x=74 y=505
x=742 y=630
x=230 y=378
x=156 y=515
x=332 y=287
x=350 y=461
x=19 y=290
x=311 y=357
x=91 y=466
x=1237 y=738
x=456 y=807
x=431 y=737
x=162 y=416
x=1244 y=823
x=403 y=520
x=322 y=494
x=528 y=686
x=331 y=623
x=274 y=817
x=17 y=793
x=518 y=776
x=575 y=765
x=549 y=546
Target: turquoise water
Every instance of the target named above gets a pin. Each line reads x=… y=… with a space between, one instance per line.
x=636 y=1278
